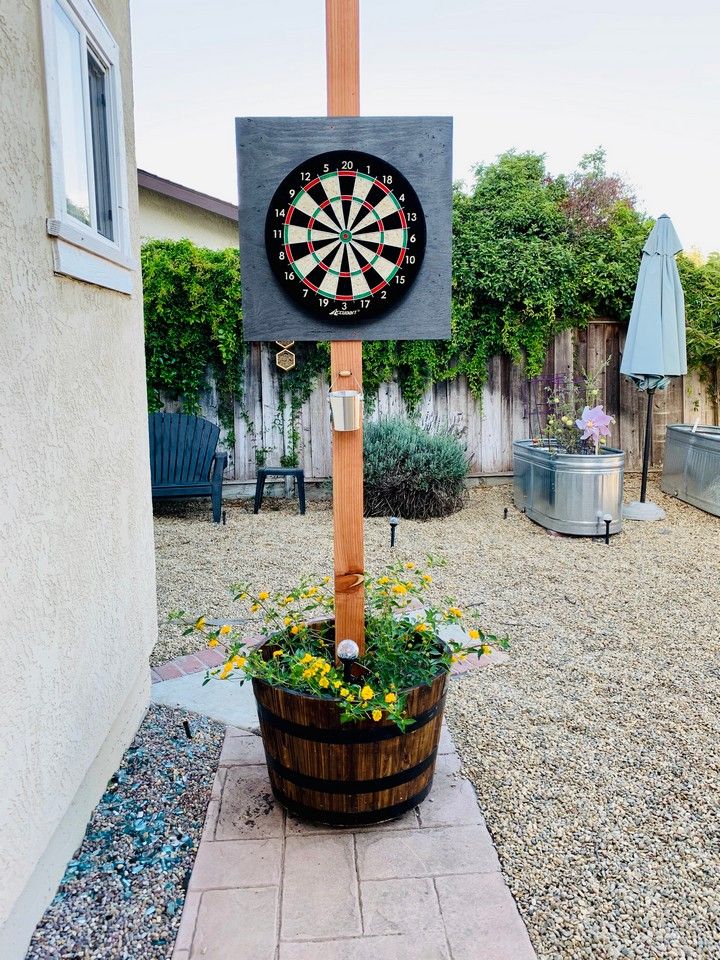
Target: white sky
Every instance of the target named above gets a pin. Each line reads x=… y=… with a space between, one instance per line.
x=640 y=78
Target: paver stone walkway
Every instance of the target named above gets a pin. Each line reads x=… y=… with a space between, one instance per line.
x=267 y=887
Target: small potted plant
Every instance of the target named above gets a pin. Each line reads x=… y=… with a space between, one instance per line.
x=353 y=741
x=566 y=477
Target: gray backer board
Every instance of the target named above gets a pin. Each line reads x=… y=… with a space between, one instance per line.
x=269 y=148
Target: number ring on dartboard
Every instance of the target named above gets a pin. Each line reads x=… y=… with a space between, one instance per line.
x=345 y=235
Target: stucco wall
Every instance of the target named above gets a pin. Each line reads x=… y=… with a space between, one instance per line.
x=164 y=218
x=77 y=577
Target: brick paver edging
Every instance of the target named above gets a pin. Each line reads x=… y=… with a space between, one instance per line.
x=202 y=659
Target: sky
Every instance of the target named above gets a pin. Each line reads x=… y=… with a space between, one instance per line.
x=640 y=78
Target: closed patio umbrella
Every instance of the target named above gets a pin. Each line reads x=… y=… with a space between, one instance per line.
x=655 y=344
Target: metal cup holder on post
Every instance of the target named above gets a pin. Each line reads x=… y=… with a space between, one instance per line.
x=346 y=407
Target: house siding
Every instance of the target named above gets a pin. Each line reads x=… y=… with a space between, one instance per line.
x=77 y=577
x=165 y=218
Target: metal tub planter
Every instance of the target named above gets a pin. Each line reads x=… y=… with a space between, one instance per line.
x=571 y=493
x=692 y=466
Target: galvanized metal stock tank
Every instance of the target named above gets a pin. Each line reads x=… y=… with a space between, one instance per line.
x=569 y=492
x=692 y=466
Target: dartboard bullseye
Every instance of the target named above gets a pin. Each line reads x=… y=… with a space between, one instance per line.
x=345 y=235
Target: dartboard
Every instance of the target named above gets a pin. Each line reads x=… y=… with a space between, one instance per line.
x=345 y=235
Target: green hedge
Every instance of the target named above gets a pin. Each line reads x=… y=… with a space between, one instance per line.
x=532 y=255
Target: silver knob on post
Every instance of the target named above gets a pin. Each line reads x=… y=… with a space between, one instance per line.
x=348 y=652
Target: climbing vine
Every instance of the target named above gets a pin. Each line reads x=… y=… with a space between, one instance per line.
x=296 y=385
x=532 y=255
x=193 y=323
x=701 y=284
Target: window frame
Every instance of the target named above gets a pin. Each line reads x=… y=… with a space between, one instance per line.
x=79 y=250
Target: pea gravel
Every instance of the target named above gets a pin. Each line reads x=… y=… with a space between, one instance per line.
x=594 y=751
x=122 y=894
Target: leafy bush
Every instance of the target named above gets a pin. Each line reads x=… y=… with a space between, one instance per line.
x=412 y=473
x=701 y=283
x=193 y=320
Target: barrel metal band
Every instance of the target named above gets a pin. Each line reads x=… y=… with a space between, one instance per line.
x=341 y=818
x=349 y=786
x=339 y=735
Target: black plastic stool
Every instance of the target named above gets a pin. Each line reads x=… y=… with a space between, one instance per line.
x=264 y=472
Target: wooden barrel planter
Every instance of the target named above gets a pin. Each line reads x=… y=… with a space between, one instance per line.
x=352 y=773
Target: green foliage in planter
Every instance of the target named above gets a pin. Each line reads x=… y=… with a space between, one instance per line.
x=412 y=473
x=193 y=320
x=403 y=649
x=701 y=283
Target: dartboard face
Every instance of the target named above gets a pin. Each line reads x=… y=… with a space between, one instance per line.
x=345 y=236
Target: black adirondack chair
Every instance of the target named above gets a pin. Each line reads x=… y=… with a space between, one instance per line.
x=183 y=458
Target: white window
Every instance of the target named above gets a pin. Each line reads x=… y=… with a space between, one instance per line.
x=89 y=222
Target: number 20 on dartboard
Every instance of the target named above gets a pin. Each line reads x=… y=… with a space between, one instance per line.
x=345 y=235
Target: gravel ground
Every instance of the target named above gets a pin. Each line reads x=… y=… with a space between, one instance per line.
x=595 y=750
x=123 y=893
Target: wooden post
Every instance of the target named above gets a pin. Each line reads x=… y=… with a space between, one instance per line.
x=342 y=41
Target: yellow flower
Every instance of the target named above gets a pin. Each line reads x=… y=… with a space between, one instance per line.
x=287 y=621
x=486 y=649
x=324 y=682
x=344 y=691
x=200 y=623
x=278 y=653
x=409 y=566
x=474 y=634
x=214 y=642
x=288 y=599
x=239 y=661
x=383 y=580
x=326 y=668
x=295 y=629
x=254 y=608
x=427 y=578
x=377 y=714
x=336 y=683
x=326 y=579
x=421 y=627
x=312 y=591
x=307 y=673
x=263 y=595
x=307 y=658
x=455 y=611
x=367 y=693
x=225 y=629
x=351 y=699
x=390 y=697
x=399 y=588
x=226 y=670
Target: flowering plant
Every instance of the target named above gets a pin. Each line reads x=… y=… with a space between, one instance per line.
x=406 y=645
x=574 y=421
x=595 y=424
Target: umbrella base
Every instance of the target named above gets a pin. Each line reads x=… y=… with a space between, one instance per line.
x=642 y=511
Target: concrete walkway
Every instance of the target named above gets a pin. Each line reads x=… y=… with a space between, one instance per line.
x=267 y=887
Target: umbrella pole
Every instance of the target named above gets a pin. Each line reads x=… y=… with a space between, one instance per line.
x=648 y=445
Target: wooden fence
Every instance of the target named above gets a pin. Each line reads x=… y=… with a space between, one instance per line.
x=487 y=427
